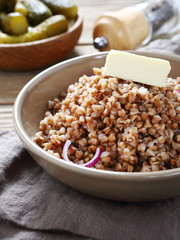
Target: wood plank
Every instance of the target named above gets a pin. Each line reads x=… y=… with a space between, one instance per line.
x=6 y=121
x=11 y=83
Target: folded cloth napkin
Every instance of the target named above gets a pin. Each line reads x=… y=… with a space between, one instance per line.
x=34 y=205
x=168 y=46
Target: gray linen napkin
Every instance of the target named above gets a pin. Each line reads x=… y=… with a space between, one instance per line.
x=33 y=205
x=34 y=202
x=169 y=46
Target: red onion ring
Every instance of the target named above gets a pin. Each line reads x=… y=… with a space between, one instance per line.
x=65 y=149
x=91 y=163
x=95 y=159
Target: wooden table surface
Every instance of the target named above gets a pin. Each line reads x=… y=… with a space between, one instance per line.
x=12 y=82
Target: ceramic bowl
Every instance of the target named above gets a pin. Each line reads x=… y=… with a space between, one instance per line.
x=29 y=108
x=41 y=53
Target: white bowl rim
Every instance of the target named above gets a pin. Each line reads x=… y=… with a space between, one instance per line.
x=33 y=147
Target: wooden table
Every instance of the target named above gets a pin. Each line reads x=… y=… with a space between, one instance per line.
x=12 y=82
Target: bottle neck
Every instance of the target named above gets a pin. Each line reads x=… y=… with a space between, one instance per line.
x=162 y=16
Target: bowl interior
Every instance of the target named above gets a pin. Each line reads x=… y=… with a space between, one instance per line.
x=50 y=83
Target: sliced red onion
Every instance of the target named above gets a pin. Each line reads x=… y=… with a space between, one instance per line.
x=178 y=91
x=95 y=159
x=65 y=149
x=91 y=163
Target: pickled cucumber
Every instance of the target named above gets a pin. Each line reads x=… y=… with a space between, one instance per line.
x=37 y=11
x=9 y=5
x=2 y=5
x=19 y=7
x=50 y=27
x=65 y=7
x=15 y=23
x=2 y=16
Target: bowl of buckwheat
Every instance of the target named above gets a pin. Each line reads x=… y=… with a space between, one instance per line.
x=106 y=124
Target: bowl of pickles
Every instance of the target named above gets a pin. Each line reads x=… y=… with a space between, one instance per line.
x=37 y=33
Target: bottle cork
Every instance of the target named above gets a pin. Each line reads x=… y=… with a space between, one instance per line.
x=124 y=29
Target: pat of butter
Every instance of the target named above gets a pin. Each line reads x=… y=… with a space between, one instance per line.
x=128 y=66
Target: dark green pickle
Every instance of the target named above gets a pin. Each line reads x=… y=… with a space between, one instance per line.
x=2 y=5
x=7 y=5
x=37 y=11
x=64 y=7
x=2 y=16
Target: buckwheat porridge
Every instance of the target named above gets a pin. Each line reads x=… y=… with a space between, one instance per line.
x=134 y=127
